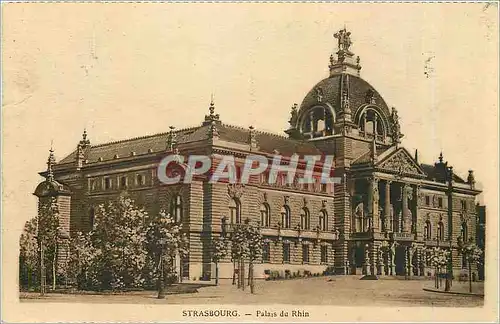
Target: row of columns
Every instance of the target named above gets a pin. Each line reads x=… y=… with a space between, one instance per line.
x=377 y=262
x=389 y=214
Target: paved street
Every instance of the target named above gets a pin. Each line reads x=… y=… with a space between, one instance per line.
x=342 y=291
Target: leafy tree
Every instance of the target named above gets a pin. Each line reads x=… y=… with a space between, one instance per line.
x=83 y=261
x=164 y=240
x=438 y=258
x=29 y=254
x=119 y=238
x=239 y=251
x=48 y=237
x=473 y=255
x=254 y=239
x=219 y=252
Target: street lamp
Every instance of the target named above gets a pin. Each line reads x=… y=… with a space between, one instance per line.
x=223 y=224
x=299 y=231
x=279 y=232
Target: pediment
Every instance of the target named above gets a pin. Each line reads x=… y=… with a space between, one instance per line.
x=401 y=163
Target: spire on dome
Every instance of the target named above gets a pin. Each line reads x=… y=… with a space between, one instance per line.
x=345 y=63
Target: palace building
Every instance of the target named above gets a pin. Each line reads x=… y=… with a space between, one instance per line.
x=387 y=209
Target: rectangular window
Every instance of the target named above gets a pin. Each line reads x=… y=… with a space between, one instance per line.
x=305 y=253
x=464 y=204
x=263 y=177
x=286 y=252
x=324 y=254
x=427 y=200
x=324 y=188
x=140 y=180
x=440 y=202
x=123 y=182
x=107 y=183
x=266 y=252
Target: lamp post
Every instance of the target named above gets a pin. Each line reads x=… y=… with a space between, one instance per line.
x=299 y=231
x=223 y=224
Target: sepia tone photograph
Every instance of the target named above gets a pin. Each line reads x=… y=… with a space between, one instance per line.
x=267 y=162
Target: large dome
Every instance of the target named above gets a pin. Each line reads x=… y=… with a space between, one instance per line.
x=361 y=93
x=344 y=103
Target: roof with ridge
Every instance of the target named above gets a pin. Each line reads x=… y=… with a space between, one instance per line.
x=267 y=143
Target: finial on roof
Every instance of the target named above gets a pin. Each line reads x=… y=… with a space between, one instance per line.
x=172 y=140
x=84 y=142
x=416 y=155
x=293 y=116
x=346 y=62
x=252 y=139
x=344 y=39
x=471 y=179
x=212 y=116
x=50 y=164
x=213 y=132
x=441 y=157
x=396 y=127
x=212 y=105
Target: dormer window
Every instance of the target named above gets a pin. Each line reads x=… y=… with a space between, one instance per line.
x=371 y=124
x=317 y=122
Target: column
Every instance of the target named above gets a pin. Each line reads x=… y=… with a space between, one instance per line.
x=369 y=205
x=375 y=205
x=311 y=123
x=366 y=261
x=375 y=126
x=406 y=261
x=404 y=206
x=392 y=255
x=387 y=207
x=410 y=261
x=353 y=259
x=364 y=124
x=415 y=213
x=374 y=259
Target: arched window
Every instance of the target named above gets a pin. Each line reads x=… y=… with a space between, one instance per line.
x=427 y=230
x=91 y=217
x=317 y=122
x=440 y=233
x=176 y=208
x=323 y=220
x=305 y=219
x=265 y=215
x=286 y=216
x=235 y=211
x=371 y=123
x=464 y=232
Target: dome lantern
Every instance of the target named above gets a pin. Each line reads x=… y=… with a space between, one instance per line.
x=346 y=62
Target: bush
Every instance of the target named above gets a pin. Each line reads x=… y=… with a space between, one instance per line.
x=330 y=270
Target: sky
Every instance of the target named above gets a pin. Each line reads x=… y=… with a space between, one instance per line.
x=125 y=69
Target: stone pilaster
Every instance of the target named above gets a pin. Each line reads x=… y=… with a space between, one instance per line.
x=375 y=205
x=392 y=260
x=404 y=206
x=389 y=222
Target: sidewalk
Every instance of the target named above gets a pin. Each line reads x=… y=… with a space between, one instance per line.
x=460 y=288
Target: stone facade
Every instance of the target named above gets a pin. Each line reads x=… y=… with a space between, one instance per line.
x=378 y=220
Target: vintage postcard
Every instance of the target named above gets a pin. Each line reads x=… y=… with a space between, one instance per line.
x=249 y=162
